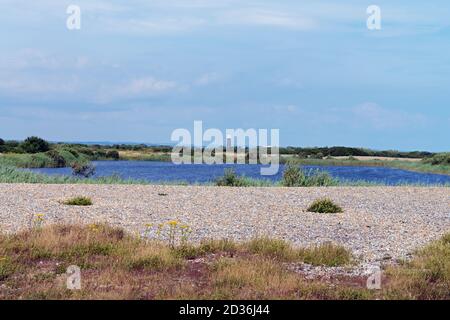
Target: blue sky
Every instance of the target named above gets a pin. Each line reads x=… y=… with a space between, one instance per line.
x=139 y=69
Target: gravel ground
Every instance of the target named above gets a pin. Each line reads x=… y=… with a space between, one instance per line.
x=379 y=223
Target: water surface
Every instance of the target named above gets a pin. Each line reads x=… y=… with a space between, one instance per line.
x=155 y=171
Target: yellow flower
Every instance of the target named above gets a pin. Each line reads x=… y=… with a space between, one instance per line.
x=172 y=223
x=149 y=225
x=94 y=227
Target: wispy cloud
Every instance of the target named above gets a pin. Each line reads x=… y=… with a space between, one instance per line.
x=377 y=117
x=258 y=17
x=135 y=88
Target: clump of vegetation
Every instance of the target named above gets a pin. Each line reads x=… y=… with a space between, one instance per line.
x=84 y=170
x=327 y=254
x=231 y=179
x=79 y=201
x=438 y=159
x=294 y=176
x=426 y=277
x=324 y=206
x=34 y=145
x=112 y=154
x=58 y=160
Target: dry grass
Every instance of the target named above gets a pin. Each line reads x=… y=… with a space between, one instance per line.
x=425 y=277
x=116 y=265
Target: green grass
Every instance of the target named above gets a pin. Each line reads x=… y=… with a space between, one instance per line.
x=79 y=201
x=324 y=206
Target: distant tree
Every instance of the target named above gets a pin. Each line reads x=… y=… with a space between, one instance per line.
x=34 y=145
x=2 y=142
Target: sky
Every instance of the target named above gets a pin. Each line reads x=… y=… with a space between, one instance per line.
x=137 y=70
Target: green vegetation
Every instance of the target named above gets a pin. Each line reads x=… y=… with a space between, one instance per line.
x=319 y=153
x=35 y=152
x=425 y=277
x=327 y=254
x=294 y=176
x=324 y=206
x=78 y=201
x=116 y=265
x=34 y=145
x=439 y=159
x=231 y=179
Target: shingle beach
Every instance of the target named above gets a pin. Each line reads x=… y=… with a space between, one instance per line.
x=378 y=222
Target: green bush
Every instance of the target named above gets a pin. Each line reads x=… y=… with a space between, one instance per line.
x=293 y=176
x=34 y=145
x=79 y=201
x=324 y=206
x=438 y=159
x=58 y=160
x=230 y=179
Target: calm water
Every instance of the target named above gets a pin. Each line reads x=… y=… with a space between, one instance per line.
x=166 y=171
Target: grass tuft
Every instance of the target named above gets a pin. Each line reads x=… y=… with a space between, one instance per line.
x=324 y=206
x=79 y=201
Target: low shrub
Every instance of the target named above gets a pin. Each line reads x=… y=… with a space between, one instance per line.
x=79 y=201
x=230 y=179
x=324 y=206
x=294 y=176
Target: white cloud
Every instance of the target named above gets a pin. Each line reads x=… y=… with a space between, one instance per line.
x=377 y=117
x=258 y=17
x=135 y=88
x=207 y=79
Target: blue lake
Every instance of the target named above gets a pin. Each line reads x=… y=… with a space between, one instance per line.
x=154 y=171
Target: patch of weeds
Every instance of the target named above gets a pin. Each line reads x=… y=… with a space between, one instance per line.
x=7 y=267
x=426 y=276
x=152 y=257
x=324 y=206
x=274 y=248
x=327 y=254
x=78 y=201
